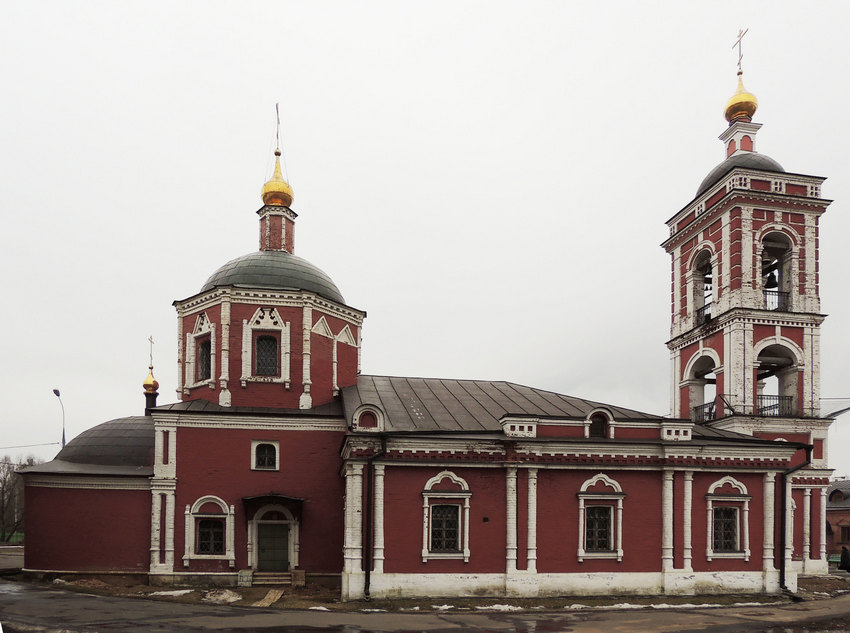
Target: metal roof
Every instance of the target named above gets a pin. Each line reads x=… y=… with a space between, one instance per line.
x=439 y=404
x=331 y=409
x=748 y=160
x=275 y=270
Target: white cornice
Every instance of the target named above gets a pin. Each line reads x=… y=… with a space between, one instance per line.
x=270 y=298
x=166 y=420
x=744 y=315
x=89 y=483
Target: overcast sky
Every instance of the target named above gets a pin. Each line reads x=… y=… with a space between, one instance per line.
x=488 y=180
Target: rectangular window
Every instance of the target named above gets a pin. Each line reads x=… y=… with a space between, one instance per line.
x=265 y=457
x=445 y=528
x=598 y=528
x=204 y=367
x=725 y=529
x=845 y=533
x=210 y=536
x=267 y=356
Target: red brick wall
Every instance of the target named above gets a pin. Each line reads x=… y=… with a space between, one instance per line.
x=87 y=530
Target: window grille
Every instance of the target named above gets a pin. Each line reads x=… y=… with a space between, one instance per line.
x=210 y=536
x=598 y=528
x=204 y=365
x=267 y=356
x=445 y=528
x=266 y=456
x=725 y=529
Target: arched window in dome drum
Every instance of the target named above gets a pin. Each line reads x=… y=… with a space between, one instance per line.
x=267 y=356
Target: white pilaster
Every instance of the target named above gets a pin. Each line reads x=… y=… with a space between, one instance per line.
x=807 y=526
x=789 y=526
x=822 y=527
x=511 y=537
x=306 y=401
x=667 y=522
x=532 y=521
x=769 y=520
x=687 y=526
x=224 y=394
x=378 y=555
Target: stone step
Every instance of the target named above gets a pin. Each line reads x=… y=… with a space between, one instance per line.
x=271 y=578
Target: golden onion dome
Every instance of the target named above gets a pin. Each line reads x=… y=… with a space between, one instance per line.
x=277 y=191
x=742 y=105
x=150 y=384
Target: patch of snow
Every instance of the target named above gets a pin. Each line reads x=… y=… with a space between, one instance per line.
x=627 y=605
x=319 y=609
x=175 y=592
x=59 y=581
x=373 y=610
x=442 y=607
x=577 y=605
x=500 y=607
x=409 y=609
x=221 y=596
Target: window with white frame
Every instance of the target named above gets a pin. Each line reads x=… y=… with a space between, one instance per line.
x=265 y=348
x=209 y=531
x=445 y=517
x=264 y=455
x=727 y=520
x=200 y=354
x=600 y=517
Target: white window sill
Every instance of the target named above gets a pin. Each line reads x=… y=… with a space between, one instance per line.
x=445 y=556
x=744 y=555
x=612 y=555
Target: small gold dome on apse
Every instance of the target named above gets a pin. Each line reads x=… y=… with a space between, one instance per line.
x=742 y=105
x=150 y=384
x=277 y=191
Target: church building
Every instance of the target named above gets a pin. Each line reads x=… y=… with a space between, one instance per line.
x=282 y=463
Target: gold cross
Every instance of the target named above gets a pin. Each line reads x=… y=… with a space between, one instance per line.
x=737 y=43
x=150 y=340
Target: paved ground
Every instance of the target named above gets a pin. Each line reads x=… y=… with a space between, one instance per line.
x=33 y=609
x=11 y=557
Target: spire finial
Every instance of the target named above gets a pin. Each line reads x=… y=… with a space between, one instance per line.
x=738 y=43
x=743 y=104
x=150 y=384
x=277 y=191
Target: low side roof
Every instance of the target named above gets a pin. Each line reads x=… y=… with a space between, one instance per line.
x=440 y=404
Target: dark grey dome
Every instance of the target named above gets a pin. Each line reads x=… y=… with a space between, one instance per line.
x=276 y=270
x=121 y=442
x=750 y=160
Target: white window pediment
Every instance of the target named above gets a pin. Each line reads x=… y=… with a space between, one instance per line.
x=445 y=518
x=196 y=368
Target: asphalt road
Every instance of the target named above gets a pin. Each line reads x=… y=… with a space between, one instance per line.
x=32 y=609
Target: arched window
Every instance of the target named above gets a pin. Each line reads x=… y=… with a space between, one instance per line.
x=600 y=519
x=209 y=531
x=728 y=520
x=703 y=288
x=264 y=454
x=267 y=356
x=776 y=378
x=598 y=425
x=702 y=389
x=776 y=258
x=445 y=517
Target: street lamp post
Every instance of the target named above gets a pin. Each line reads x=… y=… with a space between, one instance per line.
x=56 y=393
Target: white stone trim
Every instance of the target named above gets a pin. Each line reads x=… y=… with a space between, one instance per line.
x=616 y=517
x=224 y=399
x=266 y=319
x=743 y=518
x=256 y=423
x=463 y=497
x=162 y=494
x=306 y=400
x=294 y=544
x=374 y=410
x=192 y=514
x=88 y=483
x=255 y=444
x=353 y=517
x=667 y=520
x=769 y=515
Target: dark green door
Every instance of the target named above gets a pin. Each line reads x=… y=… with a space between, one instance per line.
x=273 y=547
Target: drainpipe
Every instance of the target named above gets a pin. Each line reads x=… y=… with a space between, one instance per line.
x=370 y=494
x=783 y=516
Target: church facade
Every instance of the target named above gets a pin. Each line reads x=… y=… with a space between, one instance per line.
x=282 y=463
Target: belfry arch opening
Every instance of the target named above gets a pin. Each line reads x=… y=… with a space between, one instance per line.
x=776 y=382
x=703 y=289
x=776 y=256
x=702 y=390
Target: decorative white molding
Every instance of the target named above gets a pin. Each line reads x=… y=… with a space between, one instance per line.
x=616 y=527
x=378 y=549
x=510 y=520
x=89 y=483
x=294 y=542
x=531 y=538
x=266 y=319
x=203 y=327
x=741 y=504
x=368 y=408
x=463 y=496
x=192 y=514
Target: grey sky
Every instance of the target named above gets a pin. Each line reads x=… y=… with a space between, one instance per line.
x=488 y=180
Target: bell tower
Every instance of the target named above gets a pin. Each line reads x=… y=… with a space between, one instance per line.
x=745 y=328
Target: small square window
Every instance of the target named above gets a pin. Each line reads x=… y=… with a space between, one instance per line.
x=264 y=455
